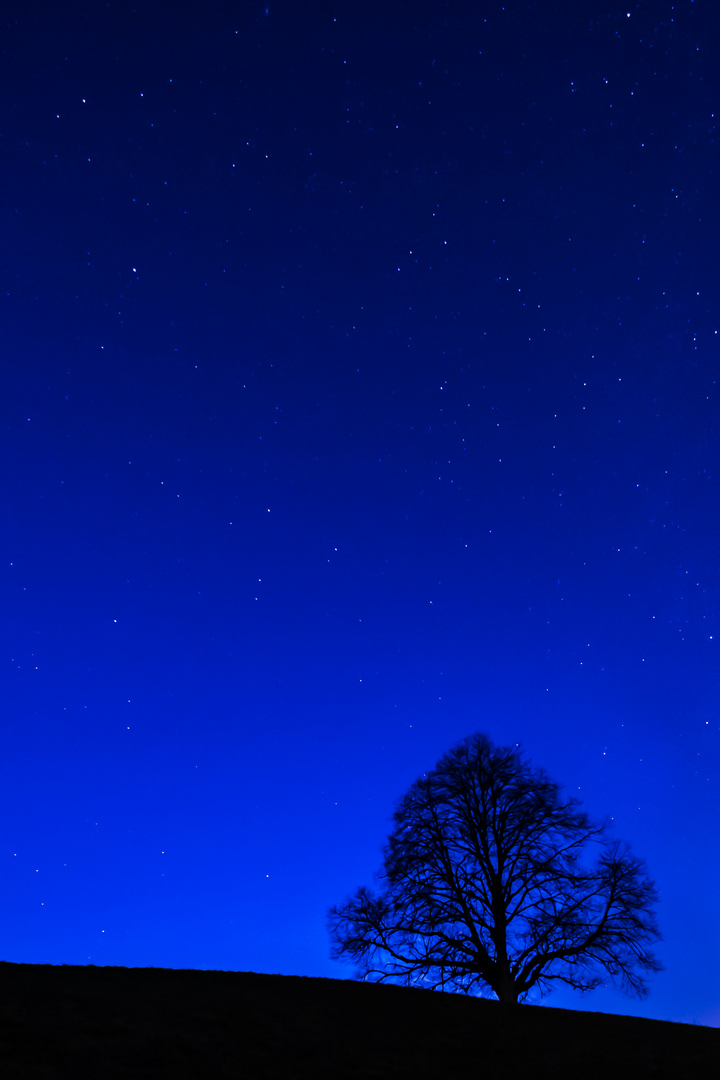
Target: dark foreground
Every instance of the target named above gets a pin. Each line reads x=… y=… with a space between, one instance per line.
x=152 y=1022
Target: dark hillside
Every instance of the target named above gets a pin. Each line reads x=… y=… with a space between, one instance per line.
x=152 y=1022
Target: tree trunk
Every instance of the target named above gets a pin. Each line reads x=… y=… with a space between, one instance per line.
x=507 y=990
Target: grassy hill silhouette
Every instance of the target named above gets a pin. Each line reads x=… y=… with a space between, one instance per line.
x=154 y=1022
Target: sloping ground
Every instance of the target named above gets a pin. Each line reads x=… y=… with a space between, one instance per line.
x=152 y=1022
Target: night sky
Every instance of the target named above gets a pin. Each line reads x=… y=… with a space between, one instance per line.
x=359 y=392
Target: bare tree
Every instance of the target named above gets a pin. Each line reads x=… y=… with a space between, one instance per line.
x=494 y=881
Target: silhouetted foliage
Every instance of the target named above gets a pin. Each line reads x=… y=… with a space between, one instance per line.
x=493 y=880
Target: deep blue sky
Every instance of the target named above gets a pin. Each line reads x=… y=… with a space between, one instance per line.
x=358 y=393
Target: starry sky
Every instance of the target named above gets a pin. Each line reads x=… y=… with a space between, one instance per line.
x=359 y=392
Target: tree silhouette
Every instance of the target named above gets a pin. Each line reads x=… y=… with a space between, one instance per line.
x=494 y=881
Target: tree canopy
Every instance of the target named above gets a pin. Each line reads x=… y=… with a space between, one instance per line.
x=494 y=881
